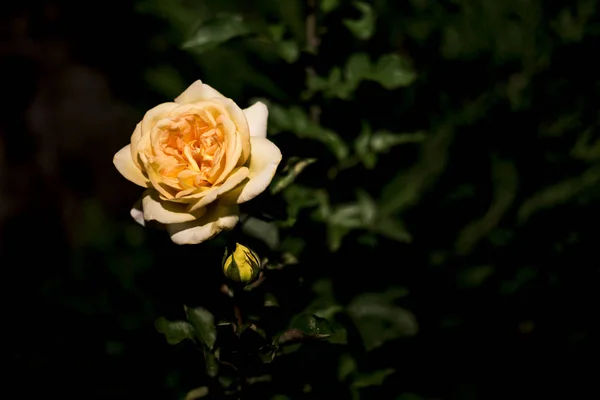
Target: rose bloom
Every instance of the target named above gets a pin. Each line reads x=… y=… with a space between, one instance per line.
x=198 y=158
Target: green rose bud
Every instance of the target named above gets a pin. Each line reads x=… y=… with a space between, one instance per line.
x=242 y=265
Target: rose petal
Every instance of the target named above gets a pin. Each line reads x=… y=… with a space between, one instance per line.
x=137 y=214
x=166 y=212
x=218 y=217
x=257 y=116
x=135 y=139
x=197 y=91
x=208 y=196
x=154 y=115
x=125 y=165
x=239 y=119
x=264 y=160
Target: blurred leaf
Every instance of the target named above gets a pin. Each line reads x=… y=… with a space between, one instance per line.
x=292 y=14
x=197 y=393
x=313 y=326
x=292 y=169
x=212 y=363
x=328 y=6
x=266 y=232
x=167 y=80
x=375 y=378
x=378 y=320
x=347 y=216
x=364 y=27
x=203 y=323
x=393 y=71
x=362 y=147
x=368 y=208
x=296 y=121
x=404 y=190
x=346 y=367
x=583 y=150
x=288 y=50
x=382 y=141
x=174 y=331
x=475 y=276
x=559 y=193
x=392 y=228
x=358 y=68
x=216 y=31
x=505 y=178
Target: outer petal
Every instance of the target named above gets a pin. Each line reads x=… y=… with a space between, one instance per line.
x=257 y=116
x=239 y=119
x=166 y=212
x=197 y=91
x=218 y=217
x=137 y=214
x=264 y=160
x=154 y=115
x=210 y=195
x=135 y=139
x=125 y=165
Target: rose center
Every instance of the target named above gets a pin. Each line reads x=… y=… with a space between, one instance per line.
x=195 y=142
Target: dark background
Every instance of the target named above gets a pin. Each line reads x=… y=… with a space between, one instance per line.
x=505 y=308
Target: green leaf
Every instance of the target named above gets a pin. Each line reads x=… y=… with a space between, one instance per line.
x=174 y=331
x=392 y=228
x=197 y=393
x=583 y=150
x=368 y=208
x=382 y=141
x=312 y=325
x=364 y=27
x=288 y=50
x=346 y=367
x=212 y=363
x=347 y=216
x=216 y=31
x=559 y=193
x=393 y=71
x=266 y=232
x=297 y=121
x=203 y=323
x=328 y=6
x=293 y=168
x=375 y=378
x=358 y=68
x=379 y=320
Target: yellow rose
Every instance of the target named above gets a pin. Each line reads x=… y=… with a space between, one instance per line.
x=199 y=157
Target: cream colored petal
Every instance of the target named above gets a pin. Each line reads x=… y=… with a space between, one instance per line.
x=197 y=91
x=233 y=151
x=257 y=116
x=239 y=119
x=135 y=139
x=137 y=214
x=149 y=121
x=264 y=160
x=125 y=165
x=166 y=212
x=156 y=181
x=210 y=195
x=218 y=217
